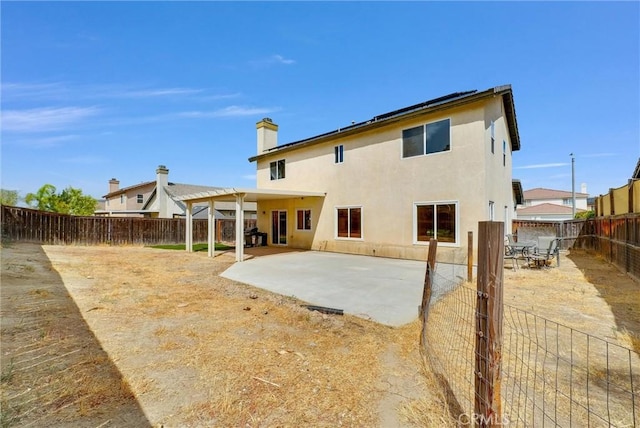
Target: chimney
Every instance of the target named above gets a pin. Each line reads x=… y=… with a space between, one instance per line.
x=114 y=185
x=583 y=188
x=267 y=135
x=162 y=180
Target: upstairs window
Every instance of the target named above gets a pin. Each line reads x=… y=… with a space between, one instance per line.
x=339 y=154
x=433 y=137
x=493 y=137
x=504 y=153
x=139 y=199
x=122 y=199
x=277 y=169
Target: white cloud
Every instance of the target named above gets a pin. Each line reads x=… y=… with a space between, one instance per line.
x=282 y=60
x=272 y=61
x=231 y=111
x=43 y=142
x=221 y=96
x=249 y=177
x=32 y=90
x=62 y=91
x=152 y=93
x=542 y=165
x=44 y=119
x=85 y=160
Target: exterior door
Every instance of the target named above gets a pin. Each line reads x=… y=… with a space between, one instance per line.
x=279 y=227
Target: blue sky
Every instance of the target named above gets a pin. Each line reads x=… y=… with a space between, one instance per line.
x=95 y=90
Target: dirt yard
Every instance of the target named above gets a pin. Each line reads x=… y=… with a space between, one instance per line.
x=129 y=336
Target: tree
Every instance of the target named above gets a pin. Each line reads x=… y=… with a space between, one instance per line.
x=9 y=197
x=72 y=201
x=44 y=199
x=586 y=214
x=69 y=201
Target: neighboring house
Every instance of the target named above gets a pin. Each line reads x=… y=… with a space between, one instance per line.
x=388 y=185
x=548 y=204
x=161 y=199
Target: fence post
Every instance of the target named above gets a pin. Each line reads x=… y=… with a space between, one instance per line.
x=470 y=256
x=488 y=352
x=426 y=291
x=612 y=203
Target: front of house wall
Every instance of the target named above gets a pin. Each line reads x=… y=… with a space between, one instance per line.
x=386 y=187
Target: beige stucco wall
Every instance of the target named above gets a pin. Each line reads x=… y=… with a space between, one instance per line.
x=581 y=202
x=374 y=176
x=130 y=199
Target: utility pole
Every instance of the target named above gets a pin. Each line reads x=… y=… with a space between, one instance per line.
x=573 y=186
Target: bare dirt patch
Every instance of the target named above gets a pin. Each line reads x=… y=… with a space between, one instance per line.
x=584 y=293
x=161 y=339
x=129 y=336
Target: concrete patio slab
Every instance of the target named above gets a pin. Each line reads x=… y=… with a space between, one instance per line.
x=388 y=291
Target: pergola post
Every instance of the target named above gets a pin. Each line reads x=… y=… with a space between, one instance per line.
x=239 y=227
x=211 y=229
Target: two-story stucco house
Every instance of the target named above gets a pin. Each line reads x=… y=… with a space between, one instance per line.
x=550 y=204
x=161 y=199
x=388 y=185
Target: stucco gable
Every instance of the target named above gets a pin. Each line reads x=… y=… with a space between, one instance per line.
x=125 y=190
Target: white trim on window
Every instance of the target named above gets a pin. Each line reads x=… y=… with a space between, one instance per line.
x=304 y=229
x=424 y=139
x=493 y=137
x=348 y=238
x=338 y=154
x=435 y=203
x=277 y=169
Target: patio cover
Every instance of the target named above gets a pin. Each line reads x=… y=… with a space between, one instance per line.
x=239 y=196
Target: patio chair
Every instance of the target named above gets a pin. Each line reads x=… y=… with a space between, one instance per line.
x=514 y=250
x=511 y=254
x=546 y=251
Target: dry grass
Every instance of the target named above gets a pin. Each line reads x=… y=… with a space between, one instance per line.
x=52 y=367
x=196 y=349
x=575 y=371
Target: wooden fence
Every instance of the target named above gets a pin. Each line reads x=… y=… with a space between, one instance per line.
x=24 y=224
x=623 y=200
x=615 y=238
x=567 y=230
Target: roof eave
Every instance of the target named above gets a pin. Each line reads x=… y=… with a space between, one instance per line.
x=505 y=91
x=518 y=194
